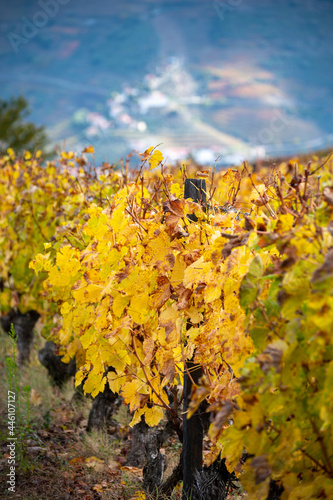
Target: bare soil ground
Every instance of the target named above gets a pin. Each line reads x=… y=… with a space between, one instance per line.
x=60 y=460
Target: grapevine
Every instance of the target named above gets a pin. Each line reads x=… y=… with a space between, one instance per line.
x=244 y=291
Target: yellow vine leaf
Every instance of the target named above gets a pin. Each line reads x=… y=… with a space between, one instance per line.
x=119 y=304
x=130 y=393
x=155 y=159
x=153 y=416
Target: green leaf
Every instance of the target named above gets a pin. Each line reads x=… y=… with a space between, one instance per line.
x=259 y=336
x=256 y=268
x=250 y=286
x=248 y=293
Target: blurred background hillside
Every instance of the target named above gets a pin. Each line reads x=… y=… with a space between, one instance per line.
x=236 y=78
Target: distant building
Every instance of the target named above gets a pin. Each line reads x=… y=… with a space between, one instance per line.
x=153 y=100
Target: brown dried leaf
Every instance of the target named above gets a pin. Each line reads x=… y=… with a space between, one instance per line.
x=96 y=463
x=326 y=270
x=184 y=298
x=172 y=220
x=35 y=398
x=193 y=206
x=270 y=358
x=178 y=232
x=249 y=224
x=235 y=242
x=201 y=286
x=162 y=280
x=192 y=256
x=163 y=292
x=148 y=349
x=223 y=415
x=133 y=470
x=261 y=468
x=20 y=181
x=175 y=207
x=328 y=195
x=122 y=274
x=144 y=398
x=77 y=460
x=171 y=259
x=267 y=239
x=168 y=369
x=230 y=176
x=169 y=327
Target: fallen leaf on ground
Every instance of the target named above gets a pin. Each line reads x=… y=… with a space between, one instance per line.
x=132 y=470
x=35 y=398
x=95 y=463
x=77 y=460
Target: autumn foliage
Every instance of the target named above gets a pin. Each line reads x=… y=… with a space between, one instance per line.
x=124 y=279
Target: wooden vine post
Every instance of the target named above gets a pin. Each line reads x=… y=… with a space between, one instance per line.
x=192 y=427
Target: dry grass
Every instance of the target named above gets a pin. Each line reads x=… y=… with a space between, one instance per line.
x=61 y=460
